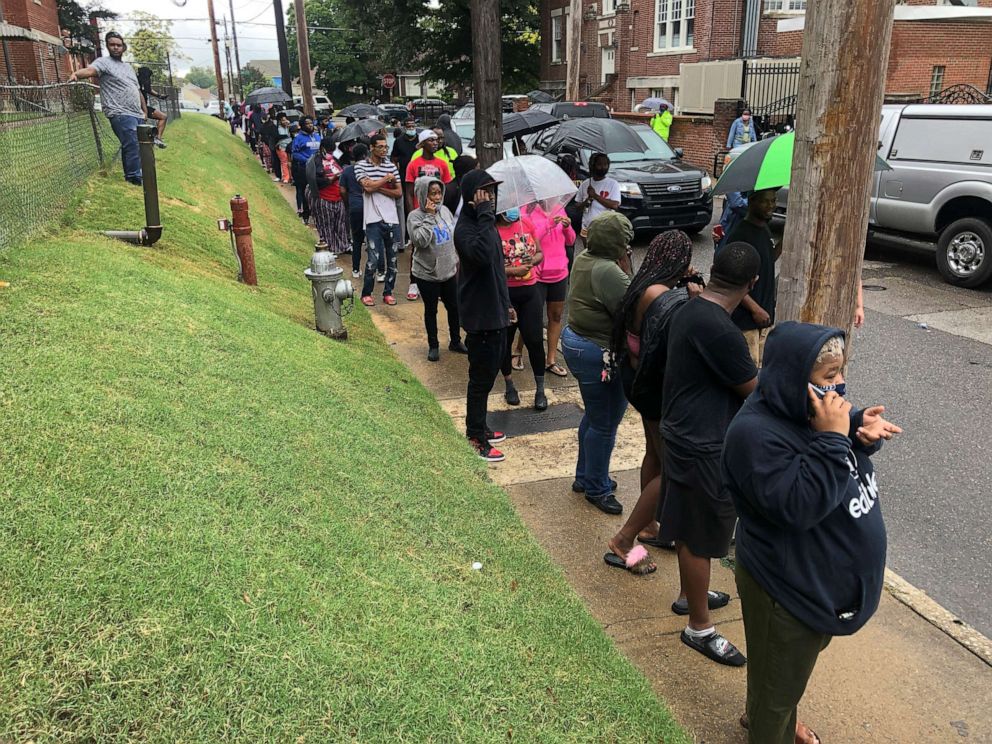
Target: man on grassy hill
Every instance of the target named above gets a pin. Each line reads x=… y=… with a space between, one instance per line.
x=120 y=99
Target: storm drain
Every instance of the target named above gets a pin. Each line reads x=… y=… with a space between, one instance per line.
x=525 y=420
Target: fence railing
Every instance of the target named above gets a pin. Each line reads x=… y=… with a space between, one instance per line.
x=52 y=137
x=771 y=91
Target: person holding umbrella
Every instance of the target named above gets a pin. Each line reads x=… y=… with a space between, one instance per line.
x=661 y=122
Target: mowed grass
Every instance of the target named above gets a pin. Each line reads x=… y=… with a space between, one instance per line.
x=218 y=525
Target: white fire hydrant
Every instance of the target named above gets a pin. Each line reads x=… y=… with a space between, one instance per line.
x=333 y=295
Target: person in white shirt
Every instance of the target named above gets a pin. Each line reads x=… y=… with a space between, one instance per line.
x=596 y=195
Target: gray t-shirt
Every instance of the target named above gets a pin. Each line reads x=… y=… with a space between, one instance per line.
x=119 y=92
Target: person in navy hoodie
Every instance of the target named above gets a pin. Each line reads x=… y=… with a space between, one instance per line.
x=810 y=540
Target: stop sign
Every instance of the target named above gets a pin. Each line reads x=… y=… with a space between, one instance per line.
x=388 y=80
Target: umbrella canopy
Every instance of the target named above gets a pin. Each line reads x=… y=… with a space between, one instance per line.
x=267 y=95
x=598 y=135
x=360 y=128
x=530 y=179
x=766 y=164
x=655 y=103
x=359 y=111
x=526 y=122
x=539 y=96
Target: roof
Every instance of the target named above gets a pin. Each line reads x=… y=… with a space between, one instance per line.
x=268 y=67
x=947 y=111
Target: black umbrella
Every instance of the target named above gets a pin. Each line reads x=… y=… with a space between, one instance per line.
x=267 y=95
x=539 y=96
x=598 y=135
x=359 y=111
x=526 y=122
x=360 y=128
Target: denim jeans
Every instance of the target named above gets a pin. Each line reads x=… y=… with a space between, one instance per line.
x=604 y=404
x=381 y=239
x=126 y=129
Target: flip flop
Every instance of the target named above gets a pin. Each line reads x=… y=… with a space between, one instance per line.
x=715 y=647
x=637 y=562
x=557 y=370
x=816 y=737
x=715 y=600
x=517 y=361
x=657 y=542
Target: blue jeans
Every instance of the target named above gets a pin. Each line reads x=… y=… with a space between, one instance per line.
x=126 y=129
x=381 y=240
x=604 y=404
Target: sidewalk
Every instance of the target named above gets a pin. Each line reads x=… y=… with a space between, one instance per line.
x=900 y=679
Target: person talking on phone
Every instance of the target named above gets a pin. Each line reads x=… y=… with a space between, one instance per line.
x=810 y=540
x=483 y=304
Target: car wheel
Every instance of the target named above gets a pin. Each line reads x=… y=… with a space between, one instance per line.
x=964 y=252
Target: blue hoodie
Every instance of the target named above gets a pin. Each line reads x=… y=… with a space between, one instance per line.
x=810 y=531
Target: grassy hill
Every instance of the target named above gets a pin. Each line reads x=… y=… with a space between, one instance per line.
x=219 y=525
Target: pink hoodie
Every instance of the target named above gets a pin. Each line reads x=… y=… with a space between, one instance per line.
x=552 y=238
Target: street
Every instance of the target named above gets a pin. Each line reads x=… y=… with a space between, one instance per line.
x=935 y=383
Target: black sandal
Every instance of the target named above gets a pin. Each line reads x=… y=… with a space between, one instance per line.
x=716 y=647
x=714 y=600
x=657 y=542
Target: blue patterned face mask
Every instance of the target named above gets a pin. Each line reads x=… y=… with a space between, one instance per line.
x=822 y=390
x=512 y=215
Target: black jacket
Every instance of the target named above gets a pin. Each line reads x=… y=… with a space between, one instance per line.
x=810 y=531
x=483 y=300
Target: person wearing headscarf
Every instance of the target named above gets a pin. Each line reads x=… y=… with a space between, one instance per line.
x=330 y=215
x=662 y=285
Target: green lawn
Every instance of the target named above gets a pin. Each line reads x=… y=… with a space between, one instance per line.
x=219 y=525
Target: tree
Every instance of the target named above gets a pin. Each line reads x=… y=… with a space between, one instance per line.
x=342 y=59
x=252 y=78
x=151 y=42
x=75 y=19
x=202 y=77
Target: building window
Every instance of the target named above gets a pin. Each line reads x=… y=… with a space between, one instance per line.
x=609 y=7
x=557 y=51
x=674 y=24
x=936 y=80
x=785 y=6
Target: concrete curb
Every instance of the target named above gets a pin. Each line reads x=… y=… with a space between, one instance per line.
x=920 y=602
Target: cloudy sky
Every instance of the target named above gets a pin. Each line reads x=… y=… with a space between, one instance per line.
x=256 y=26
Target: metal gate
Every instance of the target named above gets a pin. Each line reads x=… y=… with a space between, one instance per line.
x=770 y=90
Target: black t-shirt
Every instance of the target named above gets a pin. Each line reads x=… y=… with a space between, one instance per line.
x=403 y=149
x=765 y=292
x=707 y=356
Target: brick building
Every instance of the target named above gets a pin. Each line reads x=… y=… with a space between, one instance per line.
x=691 y=51
x=31 y=50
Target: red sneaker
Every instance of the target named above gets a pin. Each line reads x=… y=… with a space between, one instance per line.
x=495 y=437
x=487 y=452
x=389 y=299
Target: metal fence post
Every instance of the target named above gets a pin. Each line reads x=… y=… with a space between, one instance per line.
x=96 y=132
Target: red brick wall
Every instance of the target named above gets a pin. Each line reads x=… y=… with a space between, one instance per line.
x=964 y=49
x=32 y=61
x=41 y=16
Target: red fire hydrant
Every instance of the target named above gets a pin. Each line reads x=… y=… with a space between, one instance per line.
x=241 y=227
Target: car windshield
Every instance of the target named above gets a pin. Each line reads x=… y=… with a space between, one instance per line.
x=464 y=129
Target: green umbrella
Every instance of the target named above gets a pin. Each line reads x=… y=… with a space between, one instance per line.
x=766 y=165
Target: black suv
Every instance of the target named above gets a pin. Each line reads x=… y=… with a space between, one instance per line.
x=658 y=190
x=573 y=109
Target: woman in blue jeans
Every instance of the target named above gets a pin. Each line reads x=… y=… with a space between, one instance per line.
x=599 y=279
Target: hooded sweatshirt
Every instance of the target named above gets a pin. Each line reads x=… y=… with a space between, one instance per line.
x=811 y=531
x=597 y=283
x=451 y=138
x=433 y=236
x=483 y=299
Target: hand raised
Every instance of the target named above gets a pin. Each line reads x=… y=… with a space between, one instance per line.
x=874 y=427
x=832 y=413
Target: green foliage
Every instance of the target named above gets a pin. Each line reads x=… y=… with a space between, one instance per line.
x=151 y=42
x=202 y=77
x=221 y=526
x=252 y=78
x=74 y=18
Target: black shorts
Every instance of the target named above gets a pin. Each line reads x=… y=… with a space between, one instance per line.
x=696 y=511
x=647 y=404
x=151 y=110
x=554 y=292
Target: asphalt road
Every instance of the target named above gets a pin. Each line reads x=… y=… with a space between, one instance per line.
x=936 y=479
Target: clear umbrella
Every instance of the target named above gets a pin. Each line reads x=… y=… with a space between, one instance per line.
x=531 y=179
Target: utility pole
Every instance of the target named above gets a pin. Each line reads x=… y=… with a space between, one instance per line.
x=303 y=47
x=227 y=57
x=237 y=57
x=218 y=72
x=573 y=50
x=841 y=86
x=487 y=80
x=287 y=76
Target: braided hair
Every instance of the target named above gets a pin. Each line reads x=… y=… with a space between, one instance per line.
x=666 y=262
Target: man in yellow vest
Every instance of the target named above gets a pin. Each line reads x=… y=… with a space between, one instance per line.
x=661 y=122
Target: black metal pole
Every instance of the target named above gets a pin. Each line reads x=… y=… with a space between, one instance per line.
x=287 y=76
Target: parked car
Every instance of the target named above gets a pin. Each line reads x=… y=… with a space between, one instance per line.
x=465 y=112
x=189 y=107
x=390 y=111
x=322 y=105
x=658 y=190
x=573 y=109
x=430 y=108
x=508 y=101
x=465 y=128
x=939 y=191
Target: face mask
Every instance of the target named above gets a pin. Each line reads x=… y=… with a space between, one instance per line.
x=600 y=173
x=411 y=132
x=512 y=215
x=821 y=391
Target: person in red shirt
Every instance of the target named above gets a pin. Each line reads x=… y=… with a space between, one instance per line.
x=330 y=215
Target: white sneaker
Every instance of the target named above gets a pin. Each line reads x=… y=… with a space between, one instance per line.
x=380 y=278
x=160 y=144
x=356 y=274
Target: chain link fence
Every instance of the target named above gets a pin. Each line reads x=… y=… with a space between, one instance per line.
x=52 y=138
